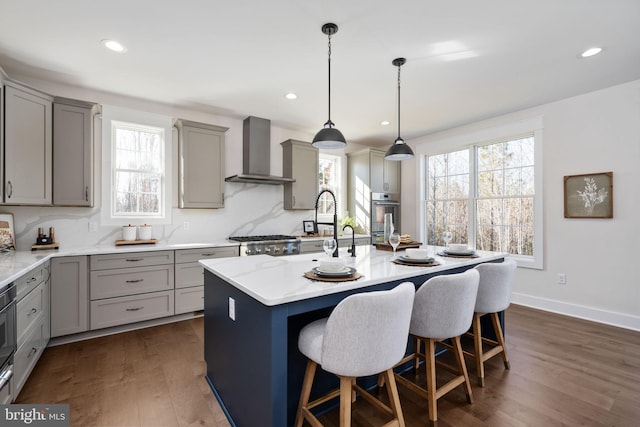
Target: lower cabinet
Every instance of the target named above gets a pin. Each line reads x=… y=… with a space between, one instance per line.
x=32 y=323
x=136 y=308
x=69 y=295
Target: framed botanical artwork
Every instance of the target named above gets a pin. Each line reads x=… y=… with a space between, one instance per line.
x=588 y=195
x=7 y=235
x=310 y=227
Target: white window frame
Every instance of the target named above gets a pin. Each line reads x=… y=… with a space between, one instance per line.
x=327 y=217
x=142 y=119
x=478 y=138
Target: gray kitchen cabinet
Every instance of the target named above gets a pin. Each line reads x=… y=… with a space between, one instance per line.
x=27 y=146
x=201 y=164
x=73 y=152
x=189 y=280
x=300 y=161
x=32 y=323
x=368 y=172
x=69 y=295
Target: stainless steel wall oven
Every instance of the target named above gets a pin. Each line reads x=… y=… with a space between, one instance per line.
x=381 y=204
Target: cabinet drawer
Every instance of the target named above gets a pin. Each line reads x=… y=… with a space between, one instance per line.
x=194 y=255
x=119 y=311
x=131 y=259
x=188 y=275
x=130 y=281
x=30 y=280
x=30 y=309
x=311 y=246
x=28 y=354
x=189 y=299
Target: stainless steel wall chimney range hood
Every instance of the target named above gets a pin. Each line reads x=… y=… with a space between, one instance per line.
x=256 y=154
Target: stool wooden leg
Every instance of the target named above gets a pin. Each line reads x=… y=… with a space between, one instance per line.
x=416 y=351
x=306 y=391
x=498 y=330
x=462 y=367
x=345 y=401
x=477 y=343
x=394 y=398
x=430 y=363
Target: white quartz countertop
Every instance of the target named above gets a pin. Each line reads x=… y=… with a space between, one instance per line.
x=280 y=280
x=14 y=264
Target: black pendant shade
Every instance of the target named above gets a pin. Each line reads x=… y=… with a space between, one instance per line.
x=399 y=150
x=329 y=137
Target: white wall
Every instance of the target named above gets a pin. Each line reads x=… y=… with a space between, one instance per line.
x=595 y=132
x=249 y=208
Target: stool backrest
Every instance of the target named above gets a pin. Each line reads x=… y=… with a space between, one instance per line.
x=496 y=284
x=443 y=306
x=367 y=333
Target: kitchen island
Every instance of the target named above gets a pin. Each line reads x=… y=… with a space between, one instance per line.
x=256 y=306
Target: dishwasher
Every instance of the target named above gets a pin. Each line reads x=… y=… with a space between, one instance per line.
x=8 y=342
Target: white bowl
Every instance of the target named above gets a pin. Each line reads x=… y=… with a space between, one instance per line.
x=458 y=247
x=332 y=265
x=417 y=253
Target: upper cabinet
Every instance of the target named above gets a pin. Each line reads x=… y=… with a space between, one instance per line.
x=300 y=161
x=27 y=146
x=385 y=174
x=73 y=152
x=201 y=164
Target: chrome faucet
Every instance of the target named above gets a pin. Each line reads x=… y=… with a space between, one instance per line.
x=335 y=218
x=352 y=251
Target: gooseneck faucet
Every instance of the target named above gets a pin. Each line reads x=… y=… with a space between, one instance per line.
x=352 y=251
x=335 y=218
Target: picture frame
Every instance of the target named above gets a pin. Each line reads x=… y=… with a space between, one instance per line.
x=309 y=227
x=588 y=195
x=7 y=233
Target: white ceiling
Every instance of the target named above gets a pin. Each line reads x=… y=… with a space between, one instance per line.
x=240 y=57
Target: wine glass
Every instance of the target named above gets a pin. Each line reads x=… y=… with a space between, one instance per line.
x=394 y=241
x=329 y=245
x=447 y=236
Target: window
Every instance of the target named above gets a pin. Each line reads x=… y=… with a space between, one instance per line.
x=136 y=167
x=328 y=179
x=138 y=170
x=488 y=193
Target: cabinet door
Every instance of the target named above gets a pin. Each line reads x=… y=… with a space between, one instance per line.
x=69 y=296
x=392 y=176
x=72 y=155
x=300 y=161
x=201 y=151
x=376 y=171
x=27 y=147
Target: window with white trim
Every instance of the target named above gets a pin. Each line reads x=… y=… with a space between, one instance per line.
x=138 y=159
x=489 y=194
x=329 y=178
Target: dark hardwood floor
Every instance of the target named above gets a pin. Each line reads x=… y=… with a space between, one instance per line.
x=564 y=372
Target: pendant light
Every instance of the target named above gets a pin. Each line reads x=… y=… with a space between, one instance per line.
x=329 y=136
x=399 y=150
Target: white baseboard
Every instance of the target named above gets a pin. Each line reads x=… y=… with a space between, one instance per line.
x=620 y=320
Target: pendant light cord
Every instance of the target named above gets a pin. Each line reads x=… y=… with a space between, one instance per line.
x=329 y=64
x=399 y=101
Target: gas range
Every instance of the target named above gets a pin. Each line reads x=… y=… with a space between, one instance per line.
x=273 y=244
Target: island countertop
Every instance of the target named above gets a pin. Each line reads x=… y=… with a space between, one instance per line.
x=280 y=280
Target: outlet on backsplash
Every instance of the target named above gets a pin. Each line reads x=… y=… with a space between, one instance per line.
x=93 y=227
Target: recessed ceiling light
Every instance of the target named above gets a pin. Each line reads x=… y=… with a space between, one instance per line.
x=114 y=46
x=591 y=52
x=385 y=123
x=291 y=95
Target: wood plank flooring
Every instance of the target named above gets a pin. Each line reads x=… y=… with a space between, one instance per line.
x=564 y=372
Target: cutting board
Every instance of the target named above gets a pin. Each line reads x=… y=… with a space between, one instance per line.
x=388 y=247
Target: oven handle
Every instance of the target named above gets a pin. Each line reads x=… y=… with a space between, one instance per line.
x=5 y=376
x=385 y=202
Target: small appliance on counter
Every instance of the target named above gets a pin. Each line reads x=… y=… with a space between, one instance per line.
x=45 y=242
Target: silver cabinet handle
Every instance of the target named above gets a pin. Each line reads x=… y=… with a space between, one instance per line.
x=134 y=259
x=9 y=189
x=209 y=254
x=134 y=309
x=33 y=311
x=32 y=352
x=86 y=193
x=294 y=200
x=135 y=281
x=33 y=279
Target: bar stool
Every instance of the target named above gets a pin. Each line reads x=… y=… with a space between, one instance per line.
x=442 y=309
x=494 y=295
x=366 y=334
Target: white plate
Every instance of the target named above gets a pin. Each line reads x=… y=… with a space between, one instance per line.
x=415 y=260
x=345 y=272
x=469 y=251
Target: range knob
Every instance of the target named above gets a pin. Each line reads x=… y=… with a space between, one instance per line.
x=277 y=250
x=248 y=252
x=267 y=250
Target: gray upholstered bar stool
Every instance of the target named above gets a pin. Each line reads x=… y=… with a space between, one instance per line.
x=366 y=334
x=494 y=295
x=442 y=309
